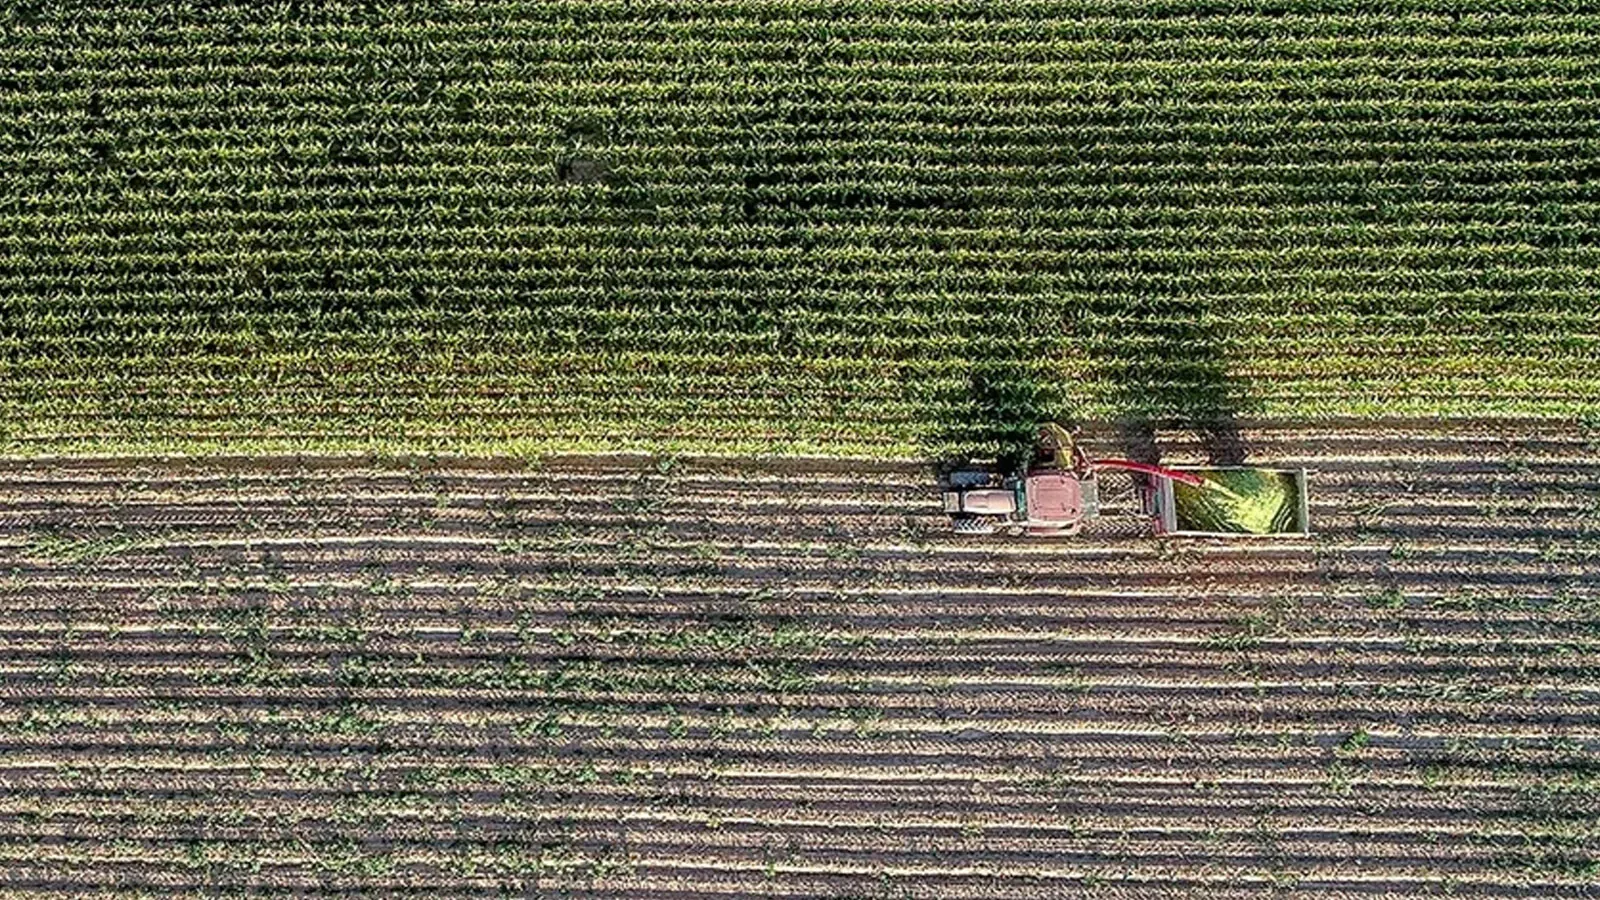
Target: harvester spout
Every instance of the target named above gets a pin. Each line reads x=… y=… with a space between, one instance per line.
x=1128 y=465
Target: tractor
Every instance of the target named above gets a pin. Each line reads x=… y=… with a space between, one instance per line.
x=1057 y=491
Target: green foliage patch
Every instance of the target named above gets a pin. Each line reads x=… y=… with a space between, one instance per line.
x=879 y=227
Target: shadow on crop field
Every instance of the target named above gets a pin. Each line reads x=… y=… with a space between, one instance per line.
x=994 y=409
x=1162 y=365
x=1166 y=367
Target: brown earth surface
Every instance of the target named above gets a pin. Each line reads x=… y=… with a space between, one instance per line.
x=697 y=678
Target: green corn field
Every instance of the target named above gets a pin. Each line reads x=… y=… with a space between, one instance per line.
x=874 y=227
x=865 y=227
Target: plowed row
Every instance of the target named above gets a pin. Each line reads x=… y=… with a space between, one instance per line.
x=699 y=679
x=870 y=228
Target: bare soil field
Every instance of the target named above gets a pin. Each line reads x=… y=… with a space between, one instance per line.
x=700 y=678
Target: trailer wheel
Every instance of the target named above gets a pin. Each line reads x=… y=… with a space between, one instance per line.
x=973 y=526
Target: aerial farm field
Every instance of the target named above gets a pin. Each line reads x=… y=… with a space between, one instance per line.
x=492 y=448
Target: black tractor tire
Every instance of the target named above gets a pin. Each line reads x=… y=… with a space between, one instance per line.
x=972 y=525
x=966 y=479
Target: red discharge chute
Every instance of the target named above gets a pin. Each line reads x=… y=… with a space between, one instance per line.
x=1157 y=471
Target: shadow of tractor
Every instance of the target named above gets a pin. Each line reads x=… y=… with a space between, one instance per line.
x=1163 y=365
x=1168 y=370
x=996 y=416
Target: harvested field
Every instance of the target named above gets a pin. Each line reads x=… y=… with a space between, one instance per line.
x=697 y=679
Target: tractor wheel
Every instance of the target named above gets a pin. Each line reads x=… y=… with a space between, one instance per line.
x=970 y=478
x=972 y=525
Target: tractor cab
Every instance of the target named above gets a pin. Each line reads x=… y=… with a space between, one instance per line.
x=1052 y=495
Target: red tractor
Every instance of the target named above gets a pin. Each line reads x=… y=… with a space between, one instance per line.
x=1051 y=496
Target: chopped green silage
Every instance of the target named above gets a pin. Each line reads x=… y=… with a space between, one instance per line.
x=1254 y=501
